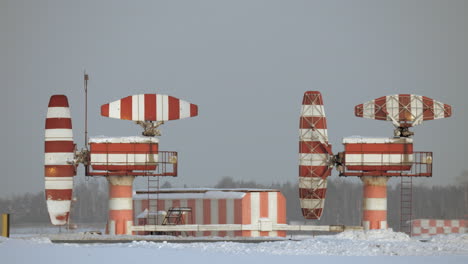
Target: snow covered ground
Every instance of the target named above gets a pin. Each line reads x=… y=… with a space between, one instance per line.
x=329 y=249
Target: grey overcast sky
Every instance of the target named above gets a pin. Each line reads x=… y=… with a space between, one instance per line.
x=245 y=63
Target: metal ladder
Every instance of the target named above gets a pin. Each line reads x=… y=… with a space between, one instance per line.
x=406 y=201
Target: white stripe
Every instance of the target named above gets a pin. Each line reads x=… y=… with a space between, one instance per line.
x=124 y=159
x=311 y=203
x=59 y=158
x=379 y=204
x=254 y=211
x=135 y=104
x=438 y=110
x=165 y=113
x=58 y=112
x=184 y=109
x=455 y=223
x=58 y=207
x=214 y=214
x=392 y=104
x=312 y=183
x=141 y=107
x=58 y=183
x=383 y=224
x=111 y=227
x=120 y=204
x=366 y=225
x=439 y=223
x=369 y=109
x=312 y=110
x=378 y=159
x=307 y=134
x=114 y=109
x=162 y=109
x=59 y=134
x=416 y=106
x=313 y=159
x=273 y=210
x=230 y=215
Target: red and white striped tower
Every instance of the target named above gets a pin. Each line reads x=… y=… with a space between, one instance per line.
x=59 y=154
x=120 y=205
x=374 y=205
x=314 y=154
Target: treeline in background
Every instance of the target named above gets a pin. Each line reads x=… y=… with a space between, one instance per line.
x=343 y=204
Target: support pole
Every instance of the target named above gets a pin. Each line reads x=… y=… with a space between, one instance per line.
x=6 y=225
x=120 y=205
x=374 y=206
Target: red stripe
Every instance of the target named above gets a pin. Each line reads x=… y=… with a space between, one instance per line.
x=126 y=108
x=448 y=110
x=312 y=98
x=246 y=213
x=59 y=146
x=123 y=148
x=380 y=108
x=375 y=191
x=359 y=110
x=58 y=101
x=120 y=191
x=428 y=108
x=314 y=171
x=150 y=107
x=263 y=209
x=281 y=213
x=312 y=147
x=404 y=107
x=312 y=194
x=58 y=195
x=313 y=122
x=59 y=171
x=52 y=123
x=193 y=110
x=380 y=148
x=206 y=215
x=161 y=205
x=174 y=108
x=105 y=110
x=192 y=204
x=222 y=215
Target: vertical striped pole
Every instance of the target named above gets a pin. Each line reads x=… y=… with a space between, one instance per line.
x=6 y=225
x=120 y=205
x=374 y=209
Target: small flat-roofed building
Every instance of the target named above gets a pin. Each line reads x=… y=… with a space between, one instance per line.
x=213 y=206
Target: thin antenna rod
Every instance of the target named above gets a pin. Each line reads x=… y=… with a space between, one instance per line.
x=86 y=78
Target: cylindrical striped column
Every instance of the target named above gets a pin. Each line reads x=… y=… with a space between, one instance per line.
x=374 y=209
x=120 y=205
x=59 y=153
x=314 y=152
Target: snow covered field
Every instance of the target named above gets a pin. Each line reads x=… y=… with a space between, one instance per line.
x=329 y=249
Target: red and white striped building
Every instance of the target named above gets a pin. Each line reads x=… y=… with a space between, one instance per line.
x=425 y=228
x=217 y=206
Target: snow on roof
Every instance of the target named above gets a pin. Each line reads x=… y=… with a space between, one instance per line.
x=373 y=140
x=195 y=193
x=190 y=195
x=133 y=139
